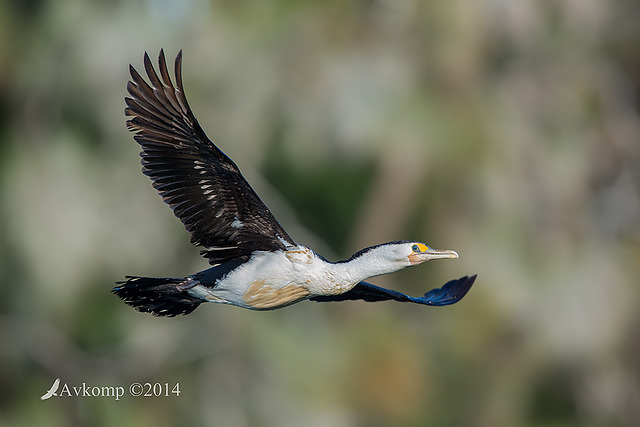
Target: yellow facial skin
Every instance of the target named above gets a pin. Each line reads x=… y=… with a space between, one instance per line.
x=420 y=247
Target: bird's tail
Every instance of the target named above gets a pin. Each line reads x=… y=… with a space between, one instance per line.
x=160 y=296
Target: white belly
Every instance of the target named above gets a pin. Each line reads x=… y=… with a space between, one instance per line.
x=273 y=279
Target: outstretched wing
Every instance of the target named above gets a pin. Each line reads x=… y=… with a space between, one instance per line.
x=450 y=293
x=203 y=186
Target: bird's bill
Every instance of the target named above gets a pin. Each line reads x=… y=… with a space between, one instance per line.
x=429 y=254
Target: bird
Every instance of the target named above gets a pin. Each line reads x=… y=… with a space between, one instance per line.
x=52 y=391
x=255 y=264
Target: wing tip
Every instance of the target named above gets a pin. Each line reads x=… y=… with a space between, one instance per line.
x=459 y=288
x=451 y=292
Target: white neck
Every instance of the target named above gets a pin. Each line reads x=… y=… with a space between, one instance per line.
x=369 y=264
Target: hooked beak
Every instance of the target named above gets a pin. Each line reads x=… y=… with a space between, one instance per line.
x=429 y=254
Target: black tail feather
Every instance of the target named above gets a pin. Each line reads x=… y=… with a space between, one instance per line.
x=160 y=296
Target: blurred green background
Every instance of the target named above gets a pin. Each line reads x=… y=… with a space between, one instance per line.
x=505 y=130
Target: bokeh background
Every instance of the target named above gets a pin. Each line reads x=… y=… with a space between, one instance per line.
x=508 y=131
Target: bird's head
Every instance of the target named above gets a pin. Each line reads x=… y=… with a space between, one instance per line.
x=401 y=254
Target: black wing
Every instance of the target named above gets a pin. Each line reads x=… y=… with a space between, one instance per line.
x=203 y=186
x=450 y=293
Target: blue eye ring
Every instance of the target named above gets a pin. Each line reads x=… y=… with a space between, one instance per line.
x=415 y=248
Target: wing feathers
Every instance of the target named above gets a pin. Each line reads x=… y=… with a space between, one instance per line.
x=450 y=293
x=203 y=187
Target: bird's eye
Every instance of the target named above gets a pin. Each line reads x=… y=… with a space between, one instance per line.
x=415 y=248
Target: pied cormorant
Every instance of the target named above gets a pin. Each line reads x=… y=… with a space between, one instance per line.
x=255 y=264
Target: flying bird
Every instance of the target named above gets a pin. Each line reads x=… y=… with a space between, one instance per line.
x=255 y=263
x=52 y=391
